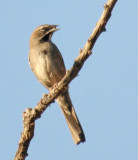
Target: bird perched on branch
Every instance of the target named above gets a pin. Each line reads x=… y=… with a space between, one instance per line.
x=48 y=66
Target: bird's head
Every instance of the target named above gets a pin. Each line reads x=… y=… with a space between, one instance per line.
x=42 y=33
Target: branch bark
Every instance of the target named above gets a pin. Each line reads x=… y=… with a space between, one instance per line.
x=30 y=115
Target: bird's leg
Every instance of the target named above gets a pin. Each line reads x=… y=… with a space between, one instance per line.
x=53 y=88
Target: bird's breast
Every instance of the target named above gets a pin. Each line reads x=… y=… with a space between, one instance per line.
x=47 y=65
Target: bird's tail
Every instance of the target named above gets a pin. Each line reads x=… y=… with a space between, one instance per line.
x=74 y=125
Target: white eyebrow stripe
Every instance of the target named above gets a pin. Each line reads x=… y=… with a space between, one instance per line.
x=42 y=26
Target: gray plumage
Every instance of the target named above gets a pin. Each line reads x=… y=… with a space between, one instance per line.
x=47 y=64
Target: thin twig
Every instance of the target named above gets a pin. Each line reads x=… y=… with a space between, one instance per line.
x=30 y=115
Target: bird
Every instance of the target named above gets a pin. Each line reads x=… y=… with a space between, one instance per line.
x=47 y=64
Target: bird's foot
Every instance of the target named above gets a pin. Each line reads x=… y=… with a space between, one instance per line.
x=53 y=88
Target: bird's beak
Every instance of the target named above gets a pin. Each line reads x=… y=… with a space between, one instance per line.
x=53 y=29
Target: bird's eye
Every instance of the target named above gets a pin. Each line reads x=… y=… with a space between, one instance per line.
x=43 y=29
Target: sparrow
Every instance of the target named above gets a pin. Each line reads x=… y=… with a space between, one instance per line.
x=48 y=66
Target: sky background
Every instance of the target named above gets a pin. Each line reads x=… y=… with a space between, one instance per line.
x=105 y=94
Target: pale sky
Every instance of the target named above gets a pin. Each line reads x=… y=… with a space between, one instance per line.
x=105 y=94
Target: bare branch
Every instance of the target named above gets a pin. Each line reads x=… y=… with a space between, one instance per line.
x=30 y=115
